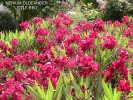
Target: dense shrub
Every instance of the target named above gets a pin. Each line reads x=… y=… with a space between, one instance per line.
x=7 y=22
x=115 y=9
x=130 y=7
x=53 y=59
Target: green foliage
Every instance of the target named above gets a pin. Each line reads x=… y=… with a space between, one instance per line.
x=90 y=12
x=78 y=16
x=26 y=40
x=113 y=94
x=94 y=2
x=67 y=89
x=7 y=22
x=110 y=93
x=130 y=7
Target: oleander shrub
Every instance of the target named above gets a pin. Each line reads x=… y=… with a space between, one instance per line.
x=52 y=59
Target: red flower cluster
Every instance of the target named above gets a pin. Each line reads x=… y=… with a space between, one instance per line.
x=37 y=21
x=24 y=25
x=109 y=42
x=26 y=58
x=14 y=42
x=98 y=25
x=87 y=66
x=87 y=44
x=62 y=20
x=11 y=88
x=83 y=27
x=124 y=86
x=41 y=32
x=125 y=19
x=117 y=70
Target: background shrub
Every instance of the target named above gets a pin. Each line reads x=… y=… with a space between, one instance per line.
x=115 y=9
x=130 y=7
x=7 y=22
x=94 y=2
x=90 y=12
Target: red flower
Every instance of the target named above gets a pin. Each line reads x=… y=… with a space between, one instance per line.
x=117 y=23
x=60 y=62
x=87 y=65
x=107 y=74
x=87 y=44
x=41 y=32
x=98 y=25
x=125 y=19
x=128 y=32
x=19 y=76
x=130 y=44
x=116 y=66
x=124 y=86
x=40 y=40
x=109 y=22
x=24 y=25
x=14 y=42
x=123 y=53
x=70 y=52
x=109 y=42
x=62 y=20
x=8 y=63
x=75 y=38
x=82 y=27
x=93 y=34
x=37 y=20
x=72 y=62
x=31 y=74
x=60 y=34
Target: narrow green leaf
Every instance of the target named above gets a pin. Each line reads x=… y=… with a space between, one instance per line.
x=50 y=91
x=35 y=93
x=59 y=94
x=130 y=79
x=54 y=52
x=106 y=90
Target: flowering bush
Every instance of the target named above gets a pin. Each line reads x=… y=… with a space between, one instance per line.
x=53 y=60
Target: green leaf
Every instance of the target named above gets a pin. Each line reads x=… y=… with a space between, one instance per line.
x=130 y=79
x=116 y=95
x=59 y=85
x=59 y=94
x=71 y=76
x=67 y=96
x=50 y=91
x=35 y=93
x=40 y=91
x=77 y=88
x=107 y=91
x=130 y=51
x=54 y=52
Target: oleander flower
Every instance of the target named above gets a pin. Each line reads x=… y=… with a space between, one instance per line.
x=125 y=19
x=124 y=86
x=24 y=25
x=37 y=21
x=14 y=42
x=109 y=42
x=41 y=32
